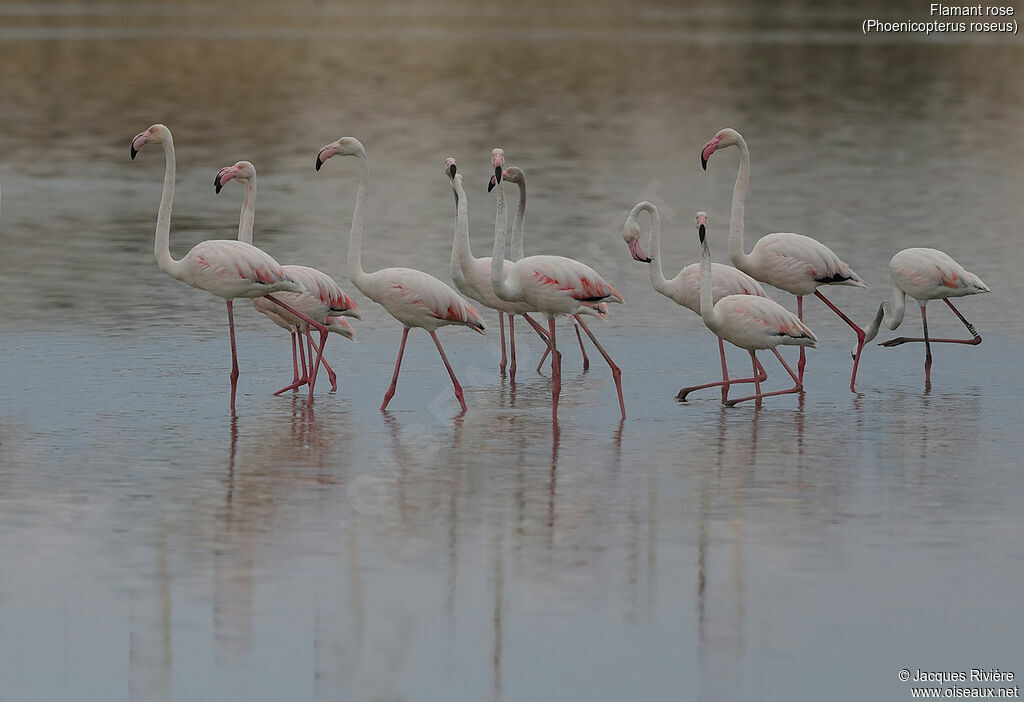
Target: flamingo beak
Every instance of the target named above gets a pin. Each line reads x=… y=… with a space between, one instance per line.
x=223 y=176
x=137 y=141
x=702 y=231
x=638 y=253
x=325 y=153
x=708 y=149
x=492 y=183
x=498 y=161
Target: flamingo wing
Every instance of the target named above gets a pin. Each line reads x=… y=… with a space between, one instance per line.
x=324 y=288
x=578 y=280
x=802 y=256
x=407 y=293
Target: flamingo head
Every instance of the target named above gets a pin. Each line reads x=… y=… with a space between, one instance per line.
x=157 y=134
x=725 y=137
x=450 y=167
x=514 y=174
x=702 y=225
x=498 y=161
x=243 y=172
x=340 y=325
x=631 y=235
x=346 y=146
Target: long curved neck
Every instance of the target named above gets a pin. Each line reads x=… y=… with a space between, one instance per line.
x=518 y=225
x=892 y=311
x=658 y=281
x=707 y=305
x=739 y=197
x=248 y=215
x=462 y=257
x=355 y=240
x=501 y=286
x=161 y=246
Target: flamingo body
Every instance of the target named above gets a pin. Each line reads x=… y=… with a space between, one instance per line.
x=929 y=274
x=230 y=269
x=757 y=323
x=797 y=264
x=323 y=298
x=418 y=299
x=557 y=285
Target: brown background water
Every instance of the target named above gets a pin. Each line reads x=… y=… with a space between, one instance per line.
x=154 y=548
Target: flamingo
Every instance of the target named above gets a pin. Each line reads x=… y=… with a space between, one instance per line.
x=684 y=288
x=414 y=298
x=750 y=322
x=924 y=274
x=472 y=276
x=795 y=263
x=552 y=285
x=514 y=174
x=323 y=298
x=338 y=325
x=223 y=267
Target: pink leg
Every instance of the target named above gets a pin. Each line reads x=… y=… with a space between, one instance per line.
x=398 y=364
x=504 y=358
x=853 y=325
x=309 y=345
x=234 y=356
x=927 y=348
x=586 y=361
x=330 y=371
x=797 y=387
x=973 y=341
x=299 y=380
x=556 y=370
x=295 y=359
x=451 y=373
x=547 y=350
x=512 y=347
x=800 y=315
x=757 y=382
x=323 y=338
x=725 y=383
x=616 y=373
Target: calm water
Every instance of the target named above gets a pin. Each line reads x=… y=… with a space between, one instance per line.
x=153 y=547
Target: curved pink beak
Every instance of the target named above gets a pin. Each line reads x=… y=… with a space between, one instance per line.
x=325 y=153
x=638 y=253
x=138 y=141
x=223 y=176
x=706 y=152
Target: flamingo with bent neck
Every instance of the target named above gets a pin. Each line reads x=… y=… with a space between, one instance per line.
x=414 y=298
x=684 y=288
x=750 y=322
x=472 y=276
x=324 y=297
x=515 y=174
x=795 y=263
x=552 y=285
x=224 y=267
x=925 y=274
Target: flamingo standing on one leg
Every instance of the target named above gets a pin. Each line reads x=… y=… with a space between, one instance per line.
x=514 y=174
x=795 y=263
x=924 y=274
x=224 y=267
x=553 y=285
x=750 y=322
x=323 y=298
x=684 y=288
x=414 y=298
x=472 y=276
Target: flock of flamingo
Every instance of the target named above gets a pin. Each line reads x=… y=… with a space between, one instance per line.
x=731 y=301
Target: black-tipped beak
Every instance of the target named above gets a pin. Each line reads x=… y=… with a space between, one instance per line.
x=216 y=184
x=703 y=161
x=702 y=232
x=492 y=183
x=135 y=152
x=318 y=162
x=497 y=174
x=452 y=169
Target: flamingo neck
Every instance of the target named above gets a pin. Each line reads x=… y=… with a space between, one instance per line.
x=502 y=288
x=248 y=215
x=707 y=305
x=892 y=312
x=658 y=281
x=161 y=246
x=462 y=256
x=355 y=240
x=739 y=196
x=518 y=225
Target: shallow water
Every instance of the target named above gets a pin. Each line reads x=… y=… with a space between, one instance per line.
x=154 y=547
